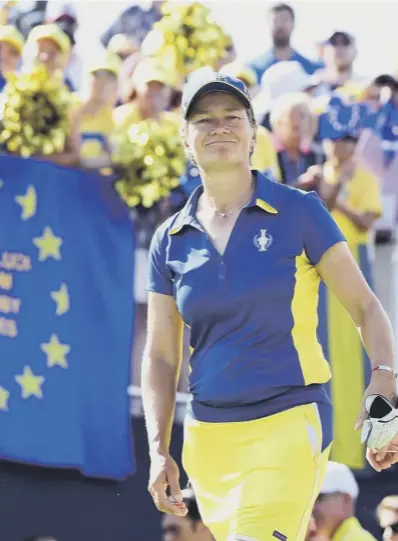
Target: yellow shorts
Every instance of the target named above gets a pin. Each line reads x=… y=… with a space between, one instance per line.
x=257 y=480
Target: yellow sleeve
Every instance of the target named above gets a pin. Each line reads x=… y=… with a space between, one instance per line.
x=265 y=156
x=75 y=100
x=125 y=115
x=370 y=197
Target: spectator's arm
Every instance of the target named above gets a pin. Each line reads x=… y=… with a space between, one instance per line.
x=329 y=193
x=362 y=220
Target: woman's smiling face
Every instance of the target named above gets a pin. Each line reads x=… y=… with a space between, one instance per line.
x=219 y=132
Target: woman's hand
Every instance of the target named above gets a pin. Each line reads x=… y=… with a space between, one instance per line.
x=382 y=383
x=164 y=473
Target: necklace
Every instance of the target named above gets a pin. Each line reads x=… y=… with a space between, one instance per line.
x=239 y=208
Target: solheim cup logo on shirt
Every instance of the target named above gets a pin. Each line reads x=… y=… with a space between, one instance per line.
x=263 y=240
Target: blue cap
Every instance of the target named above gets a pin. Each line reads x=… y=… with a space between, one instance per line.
x=204 y=81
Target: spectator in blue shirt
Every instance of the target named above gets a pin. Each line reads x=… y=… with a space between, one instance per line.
x=282 y=20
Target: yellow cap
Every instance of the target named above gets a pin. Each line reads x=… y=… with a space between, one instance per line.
x=122 y=43
x=239 y=71
x=149 y=70
x=107 y=62
x=53 y=32
x=10 y=34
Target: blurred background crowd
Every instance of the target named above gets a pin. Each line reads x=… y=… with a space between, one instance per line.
x=324 y=124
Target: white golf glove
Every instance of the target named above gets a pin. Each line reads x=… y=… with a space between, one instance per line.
x=382 y=425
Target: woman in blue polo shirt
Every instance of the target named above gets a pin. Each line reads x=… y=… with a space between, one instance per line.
x=241 y=265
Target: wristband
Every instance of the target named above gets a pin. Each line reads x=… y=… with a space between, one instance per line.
x=386 y=368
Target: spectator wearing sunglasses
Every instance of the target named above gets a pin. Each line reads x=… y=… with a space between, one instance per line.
x=387 y=514
x=188 y=528
x=339 y=52
x=334 y=510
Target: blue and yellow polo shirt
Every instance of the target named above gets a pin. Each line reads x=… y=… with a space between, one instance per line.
x=252 y=311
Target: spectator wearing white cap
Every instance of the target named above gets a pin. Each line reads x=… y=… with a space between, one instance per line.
x=294 y=126
x=334 y=509
x=282 y=78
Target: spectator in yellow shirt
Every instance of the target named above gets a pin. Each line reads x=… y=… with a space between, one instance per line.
x=95 y=112
x=351 y=192
x=11 y=45
x=334 y=509
x=49 y=45
x=151 y=95
x=353 y=196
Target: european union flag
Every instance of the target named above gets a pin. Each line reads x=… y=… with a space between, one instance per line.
x=66 y=319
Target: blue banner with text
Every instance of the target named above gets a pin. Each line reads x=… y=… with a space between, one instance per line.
x=66 y=319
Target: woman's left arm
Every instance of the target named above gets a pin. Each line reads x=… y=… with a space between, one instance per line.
x=343 y=277
x=340 y=272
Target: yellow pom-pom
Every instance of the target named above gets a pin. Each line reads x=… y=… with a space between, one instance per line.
x=184 y=31
x=150 y=159
x=35 y=115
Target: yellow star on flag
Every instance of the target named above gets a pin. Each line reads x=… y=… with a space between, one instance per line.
x=28 y=203
x=49 y=245
x=61 y=299
x=30 y=384
x=4 y=396
x=56 y=352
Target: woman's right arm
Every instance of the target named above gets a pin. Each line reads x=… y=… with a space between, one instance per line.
x=160 y=370
x=159 y=376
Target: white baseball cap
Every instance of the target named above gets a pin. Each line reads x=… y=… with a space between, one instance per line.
x=283 y=77
x=339 y=478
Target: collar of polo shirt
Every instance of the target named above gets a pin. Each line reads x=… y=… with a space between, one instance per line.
x=263 y=198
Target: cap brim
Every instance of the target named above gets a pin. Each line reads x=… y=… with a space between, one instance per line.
x=96 y=69
x=339 y=33
x=345 y=137
x=217 y=86
x=12 y=41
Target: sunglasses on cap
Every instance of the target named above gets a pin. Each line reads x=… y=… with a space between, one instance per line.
x=340 y=39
